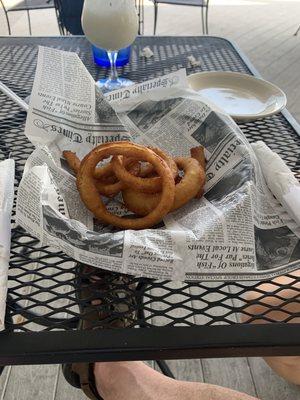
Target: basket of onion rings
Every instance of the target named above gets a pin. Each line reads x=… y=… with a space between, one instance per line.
x=150 y=181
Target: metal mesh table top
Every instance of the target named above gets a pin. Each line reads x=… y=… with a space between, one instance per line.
x=48 y=291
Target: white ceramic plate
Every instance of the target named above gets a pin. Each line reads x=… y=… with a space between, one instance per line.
x=242 y=96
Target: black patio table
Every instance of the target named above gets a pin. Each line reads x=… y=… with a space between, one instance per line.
x=166 y=320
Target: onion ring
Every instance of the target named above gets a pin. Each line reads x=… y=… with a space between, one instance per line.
x=198 y=154
x=93 y=201
x=146 y=185
x=72 y=160
x=193 y=180
x=74 y=163
x=112 y=189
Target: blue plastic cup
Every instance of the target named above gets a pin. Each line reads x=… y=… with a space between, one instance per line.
x=101 y=58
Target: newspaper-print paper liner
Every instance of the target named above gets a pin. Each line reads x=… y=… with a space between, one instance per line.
x=236 y=231
x=7 y=172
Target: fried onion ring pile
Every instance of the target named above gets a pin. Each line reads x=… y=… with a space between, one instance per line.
x=148 y=179
x=92 y=199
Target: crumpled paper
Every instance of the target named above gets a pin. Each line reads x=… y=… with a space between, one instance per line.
x=280 y=179
x=7 y=172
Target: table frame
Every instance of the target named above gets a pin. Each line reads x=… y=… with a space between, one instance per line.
x=235 y=340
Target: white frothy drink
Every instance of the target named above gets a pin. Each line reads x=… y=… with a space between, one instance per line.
x=110 y=24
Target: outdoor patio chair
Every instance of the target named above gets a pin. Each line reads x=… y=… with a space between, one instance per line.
x=195 y=3
x=25 y=5
x=68 y=14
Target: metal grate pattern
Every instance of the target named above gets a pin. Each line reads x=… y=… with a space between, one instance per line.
x=48 y=291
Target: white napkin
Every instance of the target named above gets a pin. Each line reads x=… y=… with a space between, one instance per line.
x=7 y=174
x=146 y=52
x=280 y=179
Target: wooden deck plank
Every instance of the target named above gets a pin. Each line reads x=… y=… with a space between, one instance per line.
x=279 y=48
x=273 y=64
x=286 y=72
x=3 y=381
x=31 y=382
x=263 y=41
x=64 y=391
x=234 y=373
x=187 y=370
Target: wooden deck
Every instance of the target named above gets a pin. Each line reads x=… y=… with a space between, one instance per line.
x=264 y=30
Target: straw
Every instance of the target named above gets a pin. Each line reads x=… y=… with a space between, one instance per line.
x=4 y=89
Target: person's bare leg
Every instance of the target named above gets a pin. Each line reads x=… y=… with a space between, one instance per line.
x=286 y=367
x=136 y=381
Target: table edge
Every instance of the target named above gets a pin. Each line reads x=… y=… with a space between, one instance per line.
x=147 y=344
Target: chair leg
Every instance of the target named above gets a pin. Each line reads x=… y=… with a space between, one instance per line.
x=8 y=24
x=202 y=18
x=29 y=22
x=142 y=17
x=155 y=16
x=58 y=22
x=206 y=19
